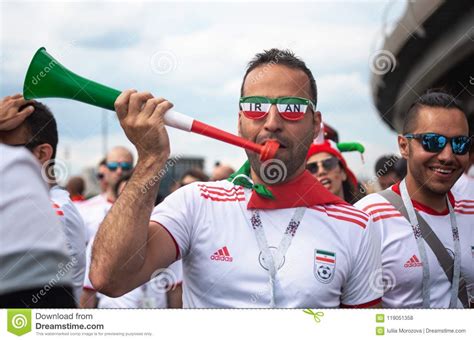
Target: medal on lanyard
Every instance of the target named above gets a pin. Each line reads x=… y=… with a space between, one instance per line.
x=285 y=243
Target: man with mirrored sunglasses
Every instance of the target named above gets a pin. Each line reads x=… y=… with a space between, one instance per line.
x=426 y=231
x=253 y=240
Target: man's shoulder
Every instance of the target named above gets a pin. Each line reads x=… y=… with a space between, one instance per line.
x=215 y=191
x=343 y=214
x=370 y=199
x=463 y=192
x=377 y=207
x=463 y=189
x=59 y=196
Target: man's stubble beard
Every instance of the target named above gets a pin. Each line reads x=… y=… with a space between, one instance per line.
x=291 y=161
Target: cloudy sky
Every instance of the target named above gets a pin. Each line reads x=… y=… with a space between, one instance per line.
x=194 y=54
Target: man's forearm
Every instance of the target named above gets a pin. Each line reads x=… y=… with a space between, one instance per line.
x=120 y=245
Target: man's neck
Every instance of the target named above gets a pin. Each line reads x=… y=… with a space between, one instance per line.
x=420 y=194
x=257 y=180
x=110 y=195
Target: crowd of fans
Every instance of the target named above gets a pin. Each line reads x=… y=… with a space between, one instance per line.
x=48 y=232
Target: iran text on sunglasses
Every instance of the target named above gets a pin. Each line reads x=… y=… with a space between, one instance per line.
x=290 y=108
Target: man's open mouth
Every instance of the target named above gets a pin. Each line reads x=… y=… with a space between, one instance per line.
x=325 y=182
x=442 y=171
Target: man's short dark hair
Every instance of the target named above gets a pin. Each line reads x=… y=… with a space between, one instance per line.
x=433 y=99
x=386 y=164
x=42 y=127
x=281 y=57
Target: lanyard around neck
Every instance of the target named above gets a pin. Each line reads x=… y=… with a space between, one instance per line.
x=422 y=251
x=271 y=261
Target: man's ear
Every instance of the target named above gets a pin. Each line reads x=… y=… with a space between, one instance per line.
x=43 y=152
x=317 y=117
x=403 y=146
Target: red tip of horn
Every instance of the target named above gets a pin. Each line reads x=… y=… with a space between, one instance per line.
x=269 y=150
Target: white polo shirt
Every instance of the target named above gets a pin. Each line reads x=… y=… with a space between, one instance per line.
x=401 y=262
x=93 y=211
x=75 y=231
x=32 y=242
x=332 y=260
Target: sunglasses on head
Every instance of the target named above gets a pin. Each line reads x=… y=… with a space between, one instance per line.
x=113 y=166
x=435 y=143
x=327 y=164
x=290 y=108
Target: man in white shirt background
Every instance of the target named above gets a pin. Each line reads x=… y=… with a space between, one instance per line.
x=30 y=232
x=35 y=128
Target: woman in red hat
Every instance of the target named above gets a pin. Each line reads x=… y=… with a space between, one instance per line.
x=329 y=167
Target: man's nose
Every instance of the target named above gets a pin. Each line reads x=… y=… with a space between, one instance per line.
x=273 y=121
x=446 y=155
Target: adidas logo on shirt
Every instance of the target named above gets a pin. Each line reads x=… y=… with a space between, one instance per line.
x=413 y=262
x=222 y=255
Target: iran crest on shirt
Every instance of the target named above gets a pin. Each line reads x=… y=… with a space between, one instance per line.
x=324 y=265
